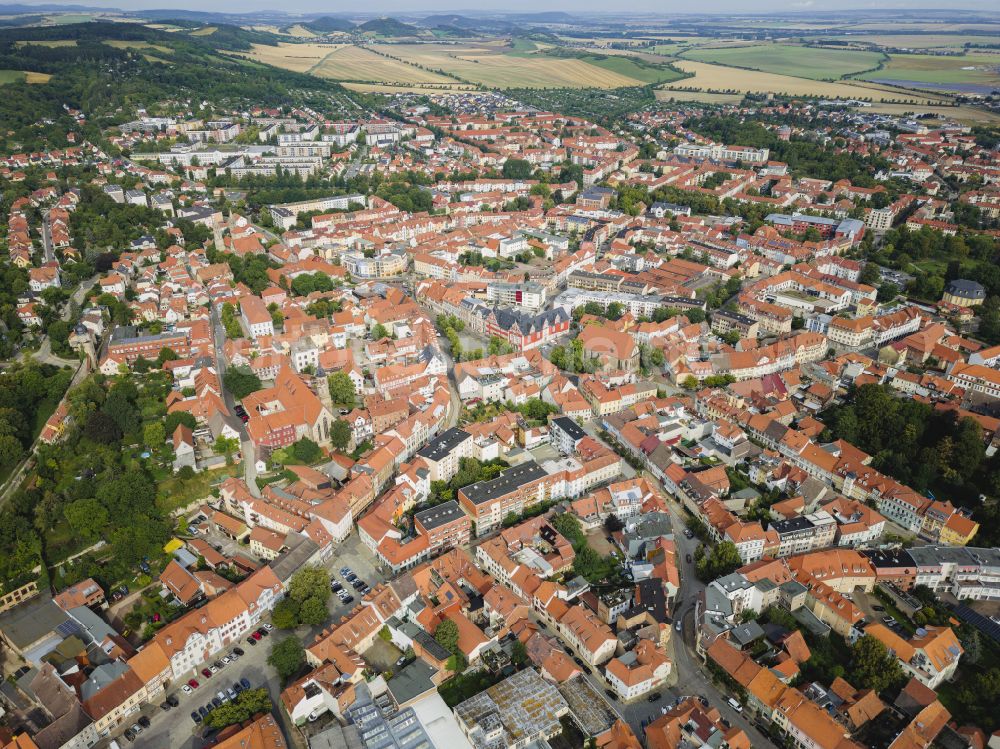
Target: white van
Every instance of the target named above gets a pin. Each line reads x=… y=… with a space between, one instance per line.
x=735 y=705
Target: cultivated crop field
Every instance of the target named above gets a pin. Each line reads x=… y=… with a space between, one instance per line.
x=14 y=76
x=940 y=70
x=488 y=65
x=723 y=79
x=919 y=41
x=804 y=62
x=351 y=63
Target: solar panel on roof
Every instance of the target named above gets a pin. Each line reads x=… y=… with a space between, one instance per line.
x=68 y=628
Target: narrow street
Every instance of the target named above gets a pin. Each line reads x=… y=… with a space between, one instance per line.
x=249 y=458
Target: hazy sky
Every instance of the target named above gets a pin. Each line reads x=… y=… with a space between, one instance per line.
x=517 y=6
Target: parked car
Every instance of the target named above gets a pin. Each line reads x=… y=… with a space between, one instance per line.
x=216 y=702
x=268 y=626
x=344 y=570
x=237 y=687
x=214 y=668
x=876 y=607
x=251 y=641
x=221 y=697
x=203 y=711
x=679 y=625
x=196 y=716
x=165 y=707
x=144 y=721
x=239 y=651
x=348 y=599
x=654 y=697
x=262 y=632
x=193 y=683
x=245 y=682
x=219 y=665
x=688 y=557
x=129 y=734
x=735 y=705
x=888 y=620
x=206 y=673
x=173 y=701
x=611 y=694
x=187 y=689
x=256 y=636
x=231 y=694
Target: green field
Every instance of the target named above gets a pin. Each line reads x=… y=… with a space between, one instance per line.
x=11 y=76
x=519 y=44
x=976 y=69
x=803 y=62
x=633 y=67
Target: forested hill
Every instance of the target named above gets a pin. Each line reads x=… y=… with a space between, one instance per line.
x=106 y=69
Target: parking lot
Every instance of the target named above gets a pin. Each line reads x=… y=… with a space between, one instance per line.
x=174 y=729
x=354 y=555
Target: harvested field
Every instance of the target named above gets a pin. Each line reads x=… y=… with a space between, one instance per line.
x=351 y=63
x=14 y=76
x=424 y=88
x=49 y=43
x=701 y=97
x=300 y=30
x=204 y=31
x=122 y=44
x=297 y=57
x=489 y=66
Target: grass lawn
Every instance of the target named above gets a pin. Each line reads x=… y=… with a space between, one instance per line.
x=11 y=76
x=173 y=492
x=787 y=59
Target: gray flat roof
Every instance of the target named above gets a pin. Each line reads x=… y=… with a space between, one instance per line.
x=509 y=481
x=442 y=445
x=442 y=514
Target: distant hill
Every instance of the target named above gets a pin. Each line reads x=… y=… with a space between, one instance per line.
x=451 y=21
x=547 y=17
x=388 y=27
x=326 y=24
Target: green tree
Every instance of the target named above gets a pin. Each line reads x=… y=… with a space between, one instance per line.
x=379 y=332
x=286 y=614
x=165 y=355
x=887 y=292
x=307 y=451
x=87 y=517
x=241 y=381
x=313 y=612
x=287 y=657
x=340 y=434
x=873 y=666
x=516 y=169
x=248 y=703
x=446 y=636
x=723 y=559
x=179 y=417
x=225 y=446
x=154 y=435
x=310 y=582
x=341 y=388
